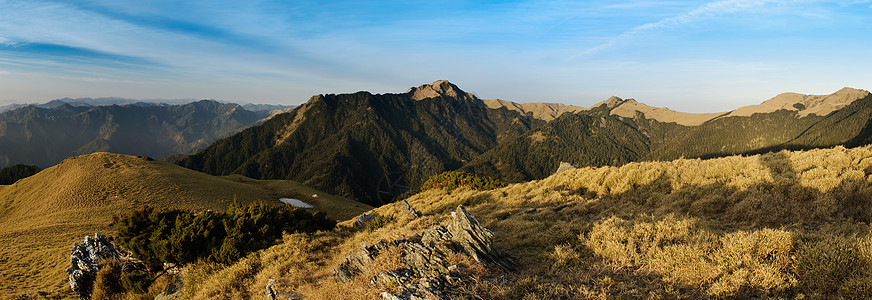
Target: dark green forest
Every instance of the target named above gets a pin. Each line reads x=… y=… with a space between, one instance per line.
x=11 y=174
x=373 y=148
x=183 y=237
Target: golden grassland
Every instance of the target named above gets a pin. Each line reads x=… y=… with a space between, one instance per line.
x=779 y=225
x=42 y=216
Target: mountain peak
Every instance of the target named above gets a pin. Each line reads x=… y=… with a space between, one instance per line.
x=805 y=105
x=610 y=103
x=628 y=108
x=439 y=88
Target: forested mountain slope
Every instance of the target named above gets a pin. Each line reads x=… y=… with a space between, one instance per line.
x=372 y=147
x=600 y=136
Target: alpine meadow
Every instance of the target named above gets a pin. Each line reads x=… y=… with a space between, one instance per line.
x=412 y=150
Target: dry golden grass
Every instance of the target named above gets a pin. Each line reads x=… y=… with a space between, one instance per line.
x=780 y=225
x=42 y=216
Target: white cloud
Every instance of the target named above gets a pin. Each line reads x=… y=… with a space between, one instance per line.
x=711 y=9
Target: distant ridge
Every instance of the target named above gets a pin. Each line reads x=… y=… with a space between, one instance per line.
x=543 y=111
x=624 y=108
x=804 y=105
x=45 y=136
x=617 y=131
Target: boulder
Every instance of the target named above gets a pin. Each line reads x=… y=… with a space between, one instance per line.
x=563 y=167
x=364 y=218
x=424 y=268
x=85 y=258
x=411 y=212
x=270 y=292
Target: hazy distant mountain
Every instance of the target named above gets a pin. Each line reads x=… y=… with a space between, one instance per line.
x=370 y=147
x=266 y=107
x=45 y=136
x=140 y=102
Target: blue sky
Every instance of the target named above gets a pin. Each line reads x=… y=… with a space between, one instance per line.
x=694 y=56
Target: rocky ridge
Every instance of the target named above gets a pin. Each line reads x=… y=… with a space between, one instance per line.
x=85 y=259
x=425 y=271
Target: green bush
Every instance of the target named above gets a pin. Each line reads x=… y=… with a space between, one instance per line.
x=136 y=281
x=452 y=180
x=183 y=237
x=379 y=222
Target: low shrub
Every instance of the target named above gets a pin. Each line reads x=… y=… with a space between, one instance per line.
x=378 y=222
x=452 y=180
x=136 y=281
x=183 y=237
x=10 y=175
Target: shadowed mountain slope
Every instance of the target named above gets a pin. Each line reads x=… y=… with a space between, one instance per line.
x=369 y=147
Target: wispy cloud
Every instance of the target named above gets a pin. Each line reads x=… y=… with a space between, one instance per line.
x=711 y=9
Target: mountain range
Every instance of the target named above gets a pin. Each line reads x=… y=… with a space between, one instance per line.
x=46 y=134
x=740 y=226
x=618 y=131
x=377 y=147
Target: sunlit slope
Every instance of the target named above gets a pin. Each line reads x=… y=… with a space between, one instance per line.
x=43 y=215
x=781 y=225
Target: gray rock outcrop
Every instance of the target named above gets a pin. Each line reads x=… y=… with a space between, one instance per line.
x=270 y=292
x=410 y=211
x=173 y=291
x=364 y=218
x=85 y=258
x=425 y=270
x=563 y=167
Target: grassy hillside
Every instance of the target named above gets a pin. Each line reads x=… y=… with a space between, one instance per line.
x=43 y=215
x=783 y=225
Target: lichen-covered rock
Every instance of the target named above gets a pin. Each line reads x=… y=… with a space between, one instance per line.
x=364 y=218
x=563 y=167
x=411 y=212
x=425 y=272
x=173 y=290
x=270 y=292
x=85 y=258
